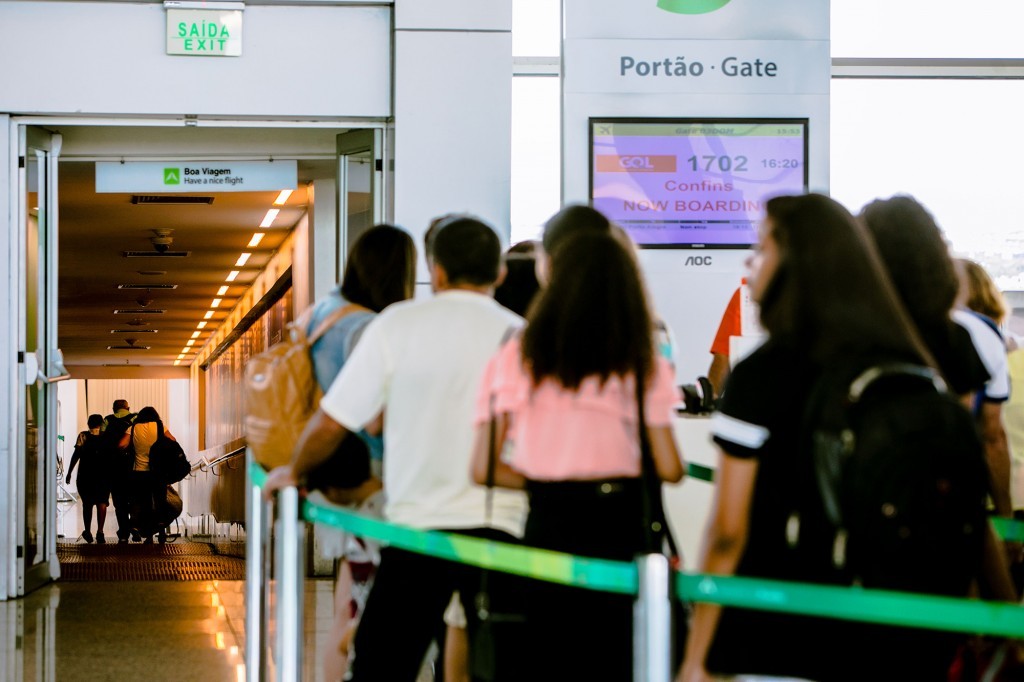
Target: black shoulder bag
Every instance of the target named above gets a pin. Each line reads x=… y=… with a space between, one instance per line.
x=657 y=535
x=492 y=637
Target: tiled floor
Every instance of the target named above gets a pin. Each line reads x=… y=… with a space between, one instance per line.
x=152 y=631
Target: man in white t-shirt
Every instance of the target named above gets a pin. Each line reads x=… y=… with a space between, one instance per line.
x=992 y=350
x=420 y=362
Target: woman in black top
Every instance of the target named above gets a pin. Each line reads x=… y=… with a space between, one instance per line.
x=918 y=263
x=825 y=304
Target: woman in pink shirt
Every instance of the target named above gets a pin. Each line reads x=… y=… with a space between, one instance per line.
x=563 y=400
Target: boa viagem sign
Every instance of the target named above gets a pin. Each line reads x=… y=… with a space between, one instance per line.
x=691 y=6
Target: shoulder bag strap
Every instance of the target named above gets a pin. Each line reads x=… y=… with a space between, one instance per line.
x=656 y=529
x=333 y=318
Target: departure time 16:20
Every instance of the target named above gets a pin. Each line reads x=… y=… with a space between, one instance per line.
x=780 y=163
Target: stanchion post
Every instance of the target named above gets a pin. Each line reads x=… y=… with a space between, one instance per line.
x=288 y=546
x=267 y=589
x=254 y=577
x=652 y=620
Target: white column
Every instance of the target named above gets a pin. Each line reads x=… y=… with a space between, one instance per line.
x=453 y=112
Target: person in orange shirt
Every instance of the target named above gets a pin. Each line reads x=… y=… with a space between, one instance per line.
x=718 y=372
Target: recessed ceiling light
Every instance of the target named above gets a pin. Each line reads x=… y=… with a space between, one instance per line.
x=215 y=303
x=268 y=219
x=232 y=275
x=242 y=260
x=223 y=290
x=283 y=197
x=201 y=325
x=185 y=351
x=208 y=315
x=190 y=342
x=256 y=239
x=195 y=335
x=177 y=362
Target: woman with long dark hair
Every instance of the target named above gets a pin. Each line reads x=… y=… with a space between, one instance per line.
x=149 y=493
x=380 y=270
x=828 y=308
x=563 y=401
x=825 y=301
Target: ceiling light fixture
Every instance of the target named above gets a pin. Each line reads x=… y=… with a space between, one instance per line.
x=215 y=303
x=201 y=325
x=177 y=362
x=256 y=239
x=208 y=315
x=190 y=342
x=195 y=335
x=223 y=290
x=271 y=216
x=242 y=260
x=283 y=197
x=232 y=275
x=185 y=351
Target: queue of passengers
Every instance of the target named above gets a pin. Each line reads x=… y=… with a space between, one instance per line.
x=548 y=432
x=113 y=460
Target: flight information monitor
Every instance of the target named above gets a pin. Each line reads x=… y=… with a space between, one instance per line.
x=694 y=183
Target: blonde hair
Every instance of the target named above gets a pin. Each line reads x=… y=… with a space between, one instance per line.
x=982 y=294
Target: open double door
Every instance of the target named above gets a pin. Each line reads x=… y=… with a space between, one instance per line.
x=28 y=477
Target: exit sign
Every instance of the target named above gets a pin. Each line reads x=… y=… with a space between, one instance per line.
x=204 y=32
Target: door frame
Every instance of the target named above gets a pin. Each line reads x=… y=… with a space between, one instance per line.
x=42 y=366
x=12 y=529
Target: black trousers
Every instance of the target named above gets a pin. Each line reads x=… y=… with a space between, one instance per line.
x=406 y=607
x=121 y=493
x=573 y=633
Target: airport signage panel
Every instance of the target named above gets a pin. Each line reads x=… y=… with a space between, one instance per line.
x=204 y=32
x=195 y=176
x=697 y=66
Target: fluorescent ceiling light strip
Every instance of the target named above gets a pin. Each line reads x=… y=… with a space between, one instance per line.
x=232 y=275
x=283 y=197
x=190 y=342
x=268 y=219
x=195 y=335
x=177 y=362
x=215 y=303
x=201 y=325
x=208 y=315
x=242 y=260
x=223 y=290
x=256 y=239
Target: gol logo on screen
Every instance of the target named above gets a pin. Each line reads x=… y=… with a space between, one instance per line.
x=691 y=6
x=636 y=163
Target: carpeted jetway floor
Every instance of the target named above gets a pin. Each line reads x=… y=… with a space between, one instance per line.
x=178 y=561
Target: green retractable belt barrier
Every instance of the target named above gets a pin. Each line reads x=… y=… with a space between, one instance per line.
x=847 y=603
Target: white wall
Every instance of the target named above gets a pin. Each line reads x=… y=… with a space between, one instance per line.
x=453 y=104
x=109 y=58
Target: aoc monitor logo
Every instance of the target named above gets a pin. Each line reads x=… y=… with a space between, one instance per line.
x=691 y=6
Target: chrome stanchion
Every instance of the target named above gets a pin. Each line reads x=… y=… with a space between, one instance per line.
x=288 y=546
x=652 y=621
x=267 y=589
x=254 y=577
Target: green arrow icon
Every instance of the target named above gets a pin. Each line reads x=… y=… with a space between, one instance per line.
x=172 y=176
x=691 y=6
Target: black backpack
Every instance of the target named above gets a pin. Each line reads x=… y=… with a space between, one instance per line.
x=167 y=460
x=901 y=481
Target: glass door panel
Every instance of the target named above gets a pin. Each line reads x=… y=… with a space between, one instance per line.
x=41 y=363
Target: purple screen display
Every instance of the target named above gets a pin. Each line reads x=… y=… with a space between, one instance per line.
x=694 y=183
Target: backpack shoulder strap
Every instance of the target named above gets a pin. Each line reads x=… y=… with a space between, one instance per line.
x=333 y=318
